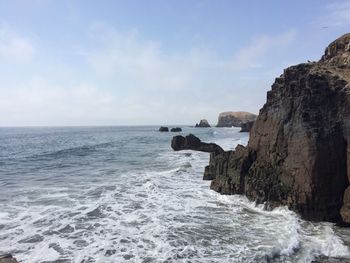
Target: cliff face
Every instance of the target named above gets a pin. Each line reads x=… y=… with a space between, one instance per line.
x=299 y=149
x=234 y=118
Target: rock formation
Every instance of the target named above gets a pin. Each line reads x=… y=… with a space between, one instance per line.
x=247 y=126
x=203 y=124
x=7 y=258
x=163 y=129
x=191 y=142
x=177 y=129
x=234 y=118
x=299 y=148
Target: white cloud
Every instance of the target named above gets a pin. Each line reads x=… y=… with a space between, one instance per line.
x=15 y=48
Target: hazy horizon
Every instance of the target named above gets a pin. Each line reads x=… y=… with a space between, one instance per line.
x=122 y=63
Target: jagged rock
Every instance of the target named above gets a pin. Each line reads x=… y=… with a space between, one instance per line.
x=177 y=129
x=203 y=124
x=191 y=142
x=163 y=129
x=299 y=148
x=247 y=126
x=234 y=118
x=7 y=258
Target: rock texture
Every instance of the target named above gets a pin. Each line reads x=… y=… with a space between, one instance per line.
x=7 y=258
x=299 y=148
x=203 y=124
x=191 y=142
x=163 y=129
x=234 y=118
x=247 y=126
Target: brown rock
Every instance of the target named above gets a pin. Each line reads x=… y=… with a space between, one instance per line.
x=7 y=258
x=247 y=126
x=234 y=118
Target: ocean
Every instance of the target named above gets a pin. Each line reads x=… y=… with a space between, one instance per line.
x=121 y=194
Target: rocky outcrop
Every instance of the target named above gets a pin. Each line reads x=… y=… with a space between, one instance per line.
x=299 y=146
x=203 y=124
x=298 y=153
x=191 y=142
x=163 y=129
x=177 y=129
x=234 y=118
x=247 y=126
x=7 y=258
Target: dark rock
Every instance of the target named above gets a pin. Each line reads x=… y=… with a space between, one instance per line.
x=247 y=126
x=234 y=118
x=7 y=258
x=299 y=148
x=177 y=129
x=325 y=259
x=203 y=124
x=163 y=129
x=191 y=142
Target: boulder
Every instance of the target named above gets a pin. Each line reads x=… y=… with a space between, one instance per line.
x=177 y=129
x=163 y=129
x=234 y=118
x=246 y=126
x=203 y=124
x=191 y=142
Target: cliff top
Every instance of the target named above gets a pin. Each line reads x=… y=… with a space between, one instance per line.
x=338 y=52
x=237 y=114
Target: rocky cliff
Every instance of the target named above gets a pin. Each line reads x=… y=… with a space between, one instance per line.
x=234 y=118
x=299 y=149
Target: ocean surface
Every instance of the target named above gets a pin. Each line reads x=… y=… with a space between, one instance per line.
x=120 y=194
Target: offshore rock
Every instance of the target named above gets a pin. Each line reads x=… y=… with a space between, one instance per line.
x=203 y=124
x=163 y=129
x=234 y=118
x=247 y=126
x=191 y=142
x=299 y=148
x=177 y=129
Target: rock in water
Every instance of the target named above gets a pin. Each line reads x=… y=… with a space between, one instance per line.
x=177 y=129
x=163 y=129
x=191 y=142
x=247 y=126
x=234 y=118
x=299 y=148
x=203 y=124
x=7 y=258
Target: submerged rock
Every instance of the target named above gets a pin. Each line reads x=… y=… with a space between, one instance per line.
x=177 y=129
x=163 y=129
x=234 y=118
x=203 y=124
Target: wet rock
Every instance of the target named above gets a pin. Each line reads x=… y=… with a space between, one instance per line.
x=7 y=258
x=203 y=124
x=163 y=129
x=191 y=142
x=177 y=129
x=235 y=118
x=298 y=153
x=33 y=239
x=247 y=126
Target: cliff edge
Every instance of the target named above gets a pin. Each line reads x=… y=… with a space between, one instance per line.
x=299 y=148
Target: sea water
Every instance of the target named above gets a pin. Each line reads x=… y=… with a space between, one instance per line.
x=121 y=194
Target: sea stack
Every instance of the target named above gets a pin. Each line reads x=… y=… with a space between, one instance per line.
x=203 y=124
x=234 y=118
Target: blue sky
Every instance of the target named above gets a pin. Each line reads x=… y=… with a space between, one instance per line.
x=152 y=62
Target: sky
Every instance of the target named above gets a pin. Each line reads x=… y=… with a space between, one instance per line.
x=152 y=62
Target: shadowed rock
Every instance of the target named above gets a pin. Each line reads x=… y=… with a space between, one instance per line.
x=191 y=142
x=177 y=129
x=7 y=258
x=163 y=129
x=247 y=126
x=203 y=124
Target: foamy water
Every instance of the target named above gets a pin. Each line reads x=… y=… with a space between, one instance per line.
x=122 y=195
